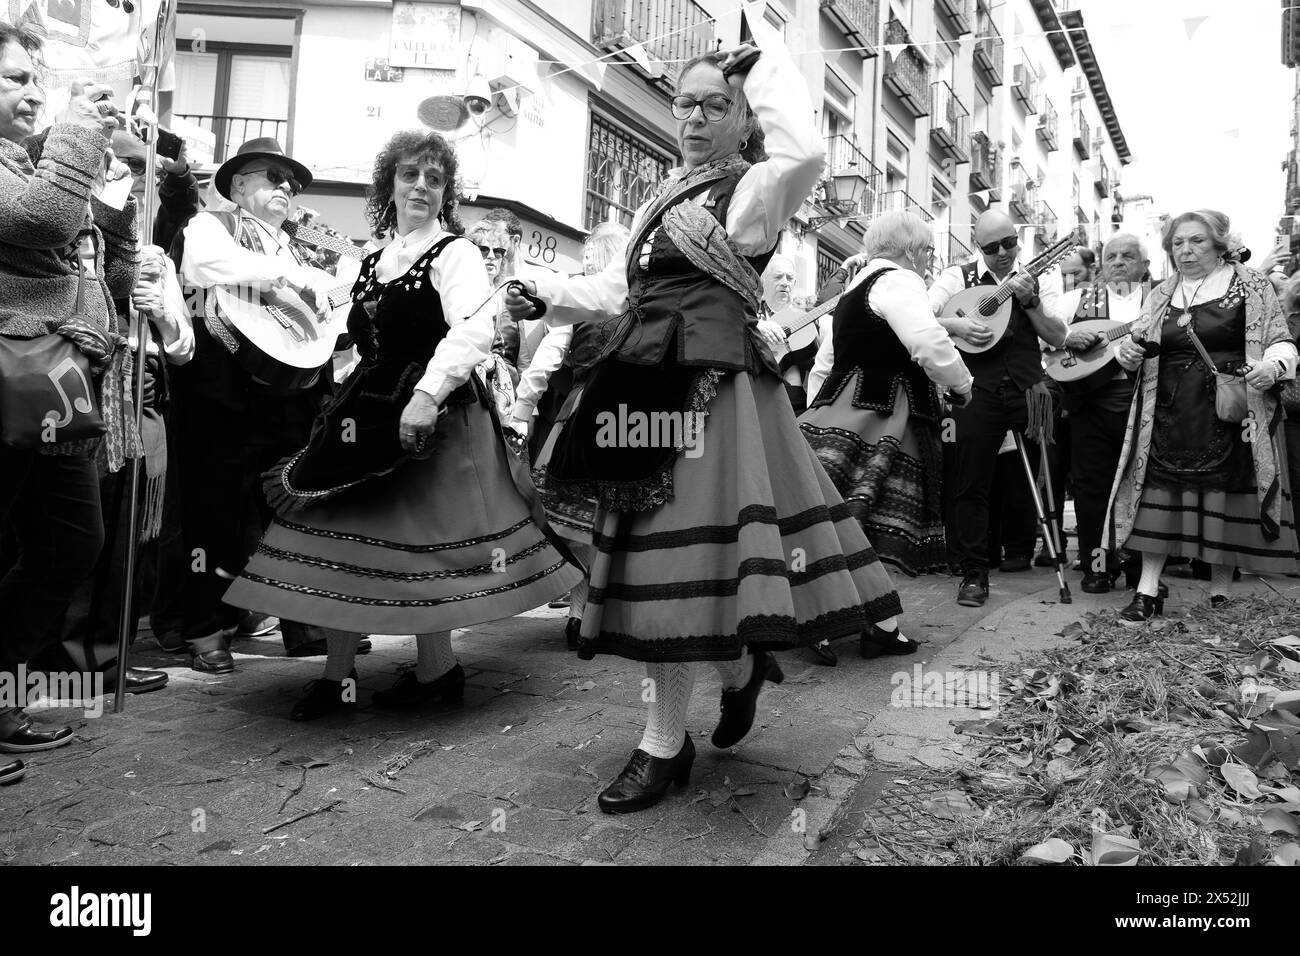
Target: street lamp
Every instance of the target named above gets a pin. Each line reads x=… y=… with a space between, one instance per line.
x=842 y=194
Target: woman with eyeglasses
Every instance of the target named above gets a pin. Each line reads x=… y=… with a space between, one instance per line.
x=405 y=513
x=1198 y=477
x=875 y=422
x=64 y=257
x=718 y=537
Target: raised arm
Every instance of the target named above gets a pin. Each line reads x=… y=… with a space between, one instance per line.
x=48 y=209
x=772 y=191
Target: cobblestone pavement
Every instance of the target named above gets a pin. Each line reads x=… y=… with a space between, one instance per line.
x=204 y=770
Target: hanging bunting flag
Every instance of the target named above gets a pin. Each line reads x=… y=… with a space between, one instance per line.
x=703 y=32
x=1232 y=133
x=1192 y=24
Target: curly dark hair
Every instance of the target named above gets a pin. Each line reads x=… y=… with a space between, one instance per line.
x=380 y=211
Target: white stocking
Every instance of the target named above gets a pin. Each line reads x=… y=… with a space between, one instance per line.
x=341 y=653
x=1220 y=579
x=433 y=656
x=735 y=674
x=665 y=728
x=1152 y=565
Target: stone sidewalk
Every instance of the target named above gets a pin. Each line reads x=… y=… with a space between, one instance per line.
x=204 y=770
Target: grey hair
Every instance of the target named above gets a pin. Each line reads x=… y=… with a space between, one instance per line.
x=896 y=234
x=1127 y=237
x=608 y=240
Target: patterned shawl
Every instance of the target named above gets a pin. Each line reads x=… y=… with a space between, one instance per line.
x=1265 y=326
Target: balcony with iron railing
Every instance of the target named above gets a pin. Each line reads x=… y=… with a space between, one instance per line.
x=1024 y=193
x=981 y=161
x=1045 y=224
x=1024 y=79
x=989 y=48
x=1082 y=132
x=845 y=161
x=667 y=28
x=895 y=200
x=958 y=14
x=231 y=132
x=858 y=20
x=1102 y=182
x=958 y=252
x=906 y=72
x=1292 y=182
x=949 y=121
x=1048 y=125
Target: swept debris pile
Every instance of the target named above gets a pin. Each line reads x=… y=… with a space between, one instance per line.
x=1177 y=742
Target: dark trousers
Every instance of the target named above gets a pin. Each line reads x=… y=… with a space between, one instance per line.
x=1012 y=519
x=1291 y=430
x=980 y=428
x=50 y=504
x=170 y=562
x=1058 y=468
x=224 y=454
x=1096 y=437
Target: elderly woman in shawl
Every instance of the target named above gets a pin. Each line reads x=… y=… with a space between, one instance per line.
x=1202 y=472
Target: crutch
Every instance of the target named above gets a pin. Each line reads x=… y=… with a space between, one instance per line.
x=1049 y=535
x=146 y=97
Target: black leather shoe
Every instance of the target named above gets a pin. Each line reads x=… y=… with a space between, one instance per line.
x=27 y=739
x=140 y=681
x=1218 y=600
x=11 y=772
x=321 y=648
x=1011 y=565
x=874 y=642
x=1096 y=583
x=409 y=692
x=324 y=697
x=213 y=662
x=974 y=590
x=823 y=653
x=646 y=779
x=572 y=632
x=738 y=705
x=1043 y=559
x=1141 y=609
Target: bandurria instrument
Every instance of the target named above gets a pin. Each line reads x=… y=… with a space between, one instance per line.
x=1065 y=366
x=992 y=305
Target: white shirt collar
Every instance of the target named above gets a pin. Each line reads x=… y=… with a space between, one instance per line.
x=400 y=254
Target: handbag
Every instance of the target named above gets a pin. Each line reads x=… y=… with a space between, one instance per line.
x=1229 y=390
x=47 y=393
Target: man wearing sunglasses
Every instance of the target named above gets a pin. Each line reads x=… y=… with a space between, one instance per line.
x=1004 y=374
x=233 y=427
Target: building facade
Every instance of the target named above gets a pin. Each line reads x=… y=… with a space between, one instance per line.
x=943 y=107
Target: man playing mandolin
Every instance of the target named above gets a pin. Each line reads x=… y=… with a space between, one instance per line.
x=1004 y=374
x=234 y=425
x=1098 y=404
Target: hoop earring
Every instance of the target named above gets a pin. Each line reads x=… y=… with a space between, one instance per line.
x=744 y=143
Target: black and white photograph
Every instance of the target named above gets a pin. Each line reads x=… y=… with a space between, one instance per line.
x=652 y=433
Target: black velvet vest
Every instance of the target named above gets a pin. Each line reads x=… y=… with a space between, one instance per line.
x=863 y=340
x=1016 y=356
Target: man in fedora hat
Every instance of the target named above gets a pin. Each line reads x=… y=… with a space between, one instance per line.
x=234 y=427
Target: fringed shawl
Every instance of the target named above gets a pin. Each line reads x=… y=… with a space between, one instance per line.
x=1265 y=326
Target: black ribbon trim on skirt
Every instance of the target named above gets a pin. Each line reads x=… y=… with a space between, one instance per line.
x=363 y=571
x=724 y=533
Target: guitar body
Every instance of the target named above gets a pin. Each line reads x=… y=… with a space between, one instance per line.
x=972 y=303
x=1065 y=366
x=281 y=341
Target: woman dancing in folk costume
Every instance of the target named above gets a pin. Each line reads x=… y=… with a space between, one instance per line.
x=875 y=422
x=727 y=541
x=405 y=513
x=1193 y=482
x=572 y=515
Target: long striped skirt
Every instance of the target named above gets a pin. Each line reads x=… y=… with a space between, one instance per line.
x=756 y=548
x=1218 y=527
x=888 y=469
x=441 y=543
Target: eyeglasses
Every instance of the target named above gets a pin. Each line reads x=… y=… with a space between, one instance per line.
x=715 y=106
x=991 y=248
x=492 y=252
x=276 y=178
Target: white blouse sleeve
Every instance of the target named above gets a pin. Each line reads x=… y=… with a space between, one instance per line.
x=772 y=191
x=462 y=284
x=532 y=384
x=899 y=297
x=821 y=366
